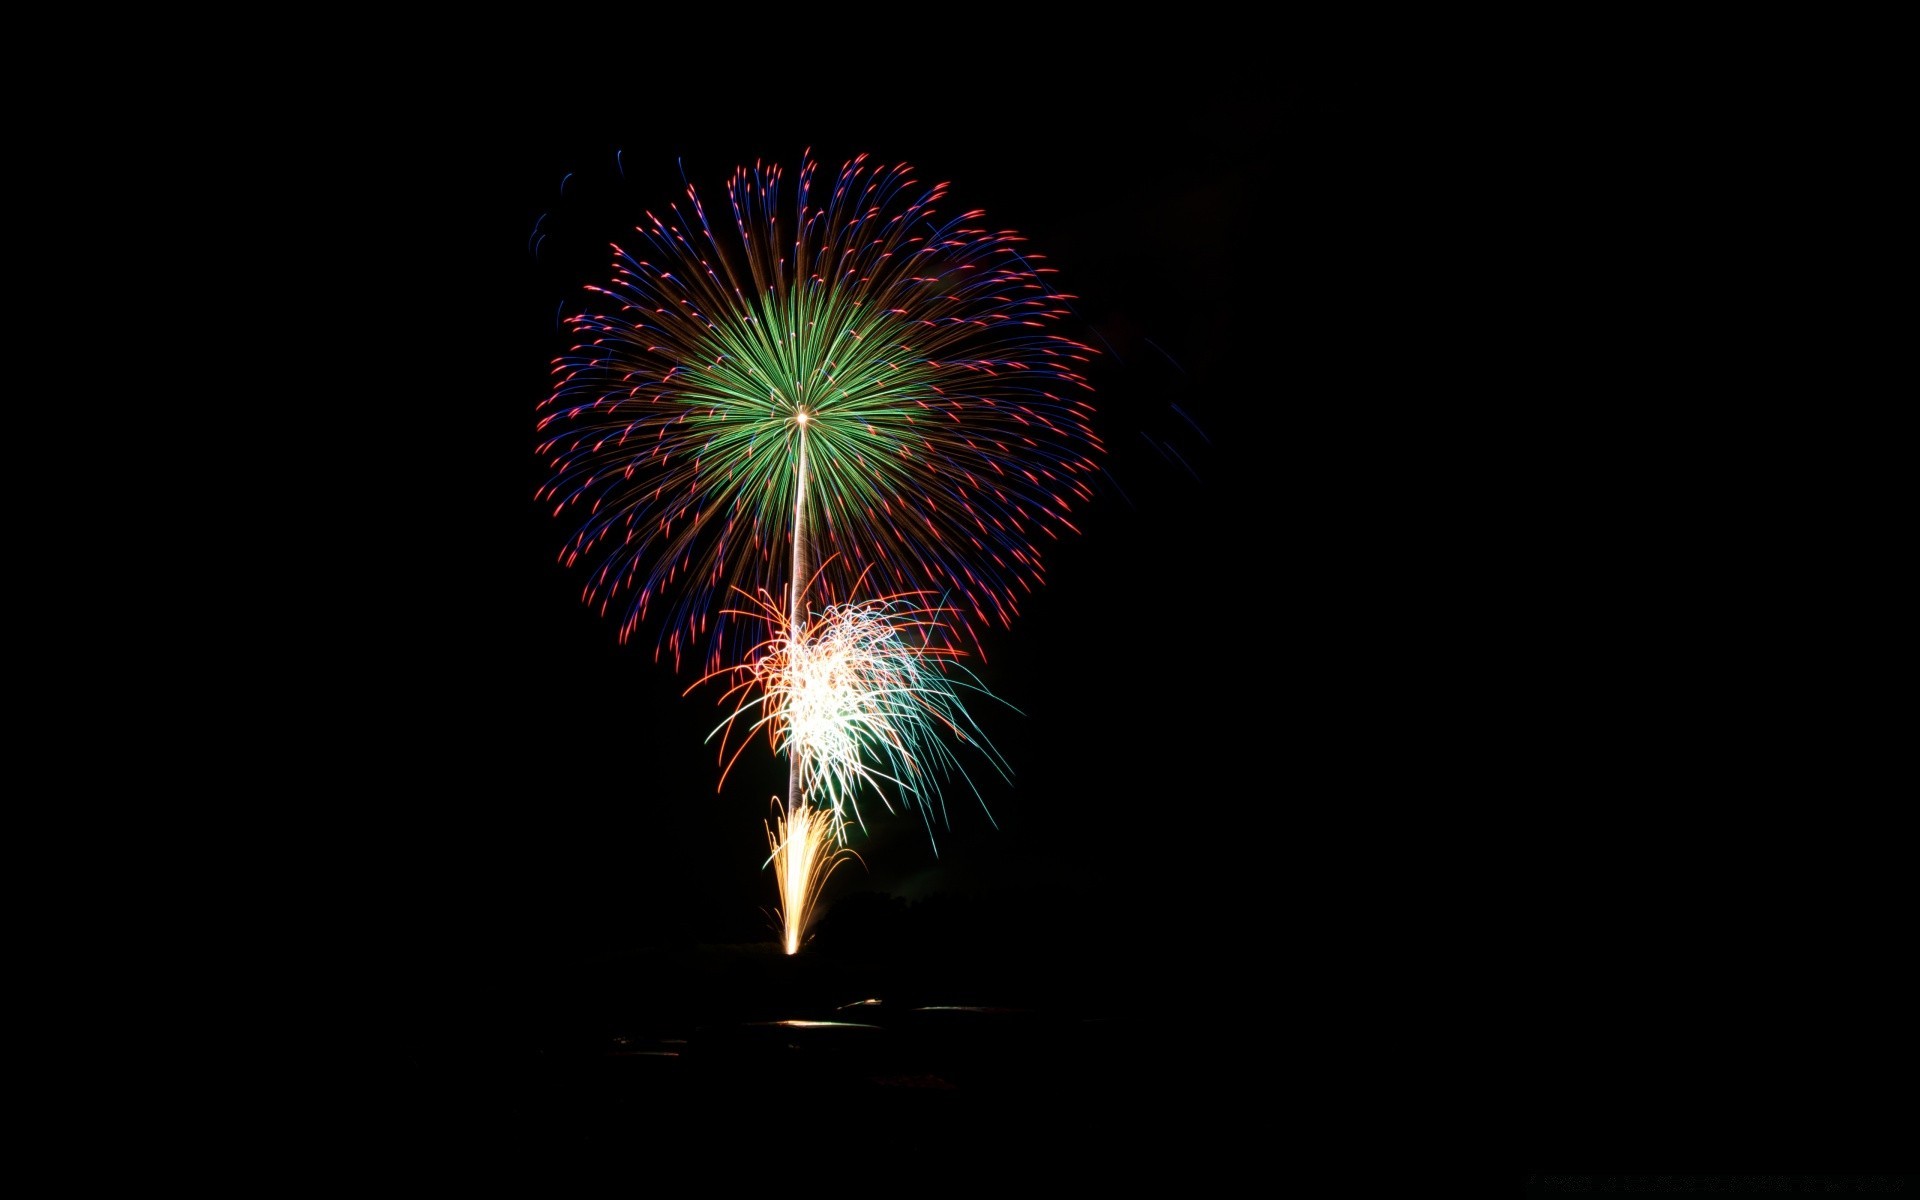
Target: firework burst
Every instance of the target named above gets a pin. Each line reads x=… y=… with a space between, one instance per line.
x=857 y=368
x=862 y=699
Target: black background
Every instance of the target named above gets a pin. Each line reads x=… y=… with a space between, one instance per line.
x=1396 y=748
x=1214 y=743
x=1207 y=668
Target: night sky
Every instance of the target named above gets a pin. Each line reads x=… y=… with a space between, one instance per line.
x=560 y=793
x=1363 y=606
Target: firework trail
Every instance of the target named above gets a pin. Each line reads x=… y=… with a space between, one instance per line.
x=903 y=355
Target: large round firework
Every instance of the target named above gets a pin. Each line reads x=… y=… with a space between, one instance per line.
x=858 y=370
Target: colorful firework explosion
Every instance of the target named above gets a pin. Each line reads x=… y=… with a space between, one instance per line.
x=946 y=428
x=862 y=698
